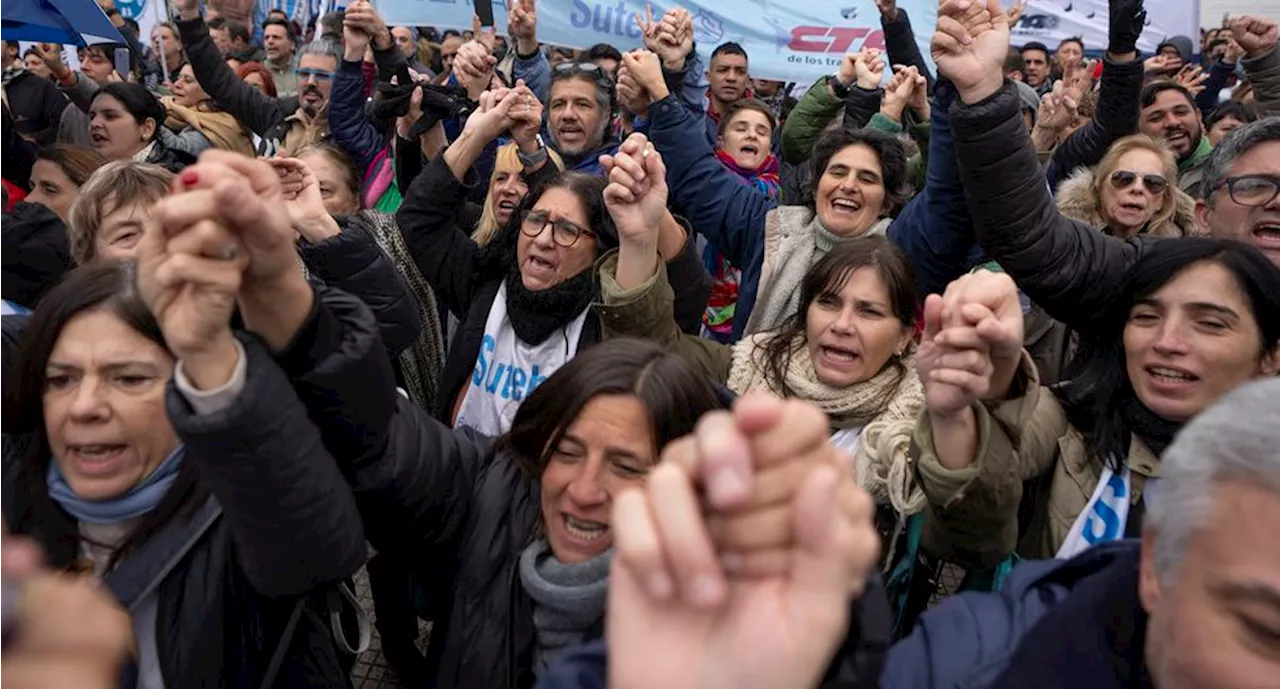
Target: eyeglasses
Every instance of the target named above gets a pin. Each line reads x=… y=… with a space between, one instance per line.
x=1251 y=190
x=308 y=74
x=563 y=232
x=1123 y=179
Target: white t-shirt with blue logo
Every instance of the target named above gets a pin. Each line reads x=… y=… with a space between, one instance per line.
x=507 y=369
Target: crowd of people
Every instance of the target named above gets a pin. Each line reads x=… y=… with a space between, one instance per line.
x=628 y=369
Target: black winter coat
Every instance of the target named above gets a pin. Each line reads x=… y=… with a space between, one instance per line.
x=1115 y=116
x=288 y=528
x=453 y=264
x=37 y=105
x=353 y=262
x=452 y=499
x=1068 y=268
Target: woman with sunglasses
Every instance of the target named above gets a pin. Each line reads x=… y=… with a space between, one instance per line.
x=1195 y=318
x=524 y=299
x=1129 y=193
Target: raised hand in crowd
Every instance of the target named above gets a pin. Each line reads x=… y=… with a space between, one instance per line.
x=362 y=16
x=906 y=88
x=526 y=120
x=671 y=38
x=187 y=9
x=1160 y=64
x=970 y=46
x=1256 y=35
x=679 y=593
x=51 y=54
x=190 y=267
x=970 y=350
x=245 y=199
x=66 y=632
x=474 y=67
x=355 y=38
x=636 y=199
x=485 y=36
x=522 y=24
x=1192 y=77
x=1234 y=52
x=1077 y=79
x=644 y=72
x=300 y=190
x=1014 y=13
x=868 y=68
x=1058 y=110
x=1126 y=21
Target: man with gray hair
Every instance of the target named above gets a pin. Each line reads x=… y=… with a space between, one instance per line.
x=1196 y=603
x=281 y=124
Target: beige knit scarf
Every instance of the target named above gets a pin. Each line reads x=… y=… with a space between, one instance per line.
x=885 y=406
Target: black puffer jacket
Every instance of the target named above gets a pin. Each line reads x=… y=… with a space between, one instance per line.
x=452 y=499
x=1115 y=116
x=454 y=265
x=353 y=262
x=288 y=528
x=1068 y=268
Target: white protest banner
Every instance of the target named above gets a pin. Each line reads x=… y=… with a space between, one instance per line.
x=1050 y=21
x=785 y=41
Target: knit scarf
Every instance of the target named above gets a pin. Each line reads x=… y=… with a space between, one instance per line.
x=725 y=277
x=422 y=362
x=1201 y=152
x=794 y=240
x=885 y=406
x=138 y=501
x=222 y=129
x=568 y=599
x=1157 y=433
x=536 y=315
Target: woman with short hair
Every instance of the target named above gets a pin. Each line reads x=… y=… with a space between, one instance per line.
x=113 y=208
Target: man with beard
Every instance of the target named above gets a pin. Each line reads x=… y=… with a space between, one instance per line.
x=1169 y=113
x=283 y=124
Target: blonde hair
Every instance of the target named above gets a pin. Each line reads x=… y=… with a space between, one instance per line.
x=111 y=186
x=1142 y=142
x=507 y=160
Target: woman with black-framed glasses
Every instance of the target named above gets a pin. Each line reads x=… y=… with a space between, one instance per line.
x=524 y=298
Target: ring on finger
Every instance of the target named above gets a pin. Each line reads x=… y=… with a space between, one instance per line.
x=228 y=253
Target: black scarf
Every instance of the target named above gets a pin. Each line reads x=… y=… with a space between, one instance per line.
x=1156 y=432
x=535 y=315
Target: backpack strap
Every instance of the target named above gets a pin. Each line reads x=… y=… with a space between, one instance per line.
x=141 y=573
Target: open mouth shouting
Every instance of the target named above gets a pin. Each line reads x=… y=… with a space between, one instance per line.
x=1266 y=236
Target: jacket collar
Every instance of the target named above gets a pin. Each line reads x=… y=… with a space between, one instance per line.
x=1095 y=637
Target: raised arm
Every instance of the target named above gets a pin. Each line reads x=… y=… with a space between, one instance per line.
x=1068 y=268
x=348 y=122
x=1116 y=113
x=900 y=40
x=247 y=104
x=1261 y=62
x=530 y=64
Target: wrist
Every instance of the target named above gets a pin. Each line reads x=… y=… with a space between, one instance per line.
x=658 y=92
x=892 y=110
x=319 y=228
x=212 y=366
x=382 y=41
x=985 y=88
x=945 y=420
x=526 y=47
x=867 y=83
x=276 y=309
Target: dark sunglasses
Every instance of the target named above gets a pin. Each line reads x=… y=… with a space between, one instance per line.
x=1123 y=179
x=563 y=232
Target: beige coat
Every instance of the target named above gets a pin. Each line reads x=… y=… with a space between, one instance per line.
x=1025 y=443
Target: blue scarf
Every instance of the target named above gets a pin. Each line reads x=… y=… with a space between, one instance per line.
x=140 y=499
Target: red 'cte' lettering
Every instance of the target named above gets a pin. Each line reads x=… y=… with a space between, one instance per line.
x=835 y=39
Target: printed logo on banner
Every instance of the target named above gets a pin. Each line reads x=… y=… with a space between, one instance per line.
x=131 y=9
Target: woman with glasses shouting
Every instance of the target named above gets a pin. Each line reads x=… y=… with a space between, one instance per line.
x=524 y=299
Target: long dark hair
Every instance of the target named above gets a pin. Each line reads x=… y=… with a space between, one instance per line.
x=101 y=285
x=672 y=391
x=140 y=103
x=827 y=276
x=1097 y=390
x=499 y=256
